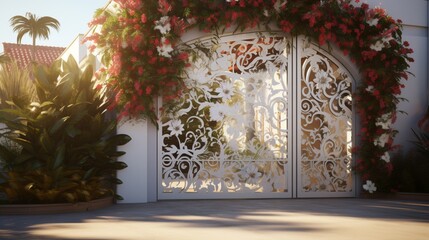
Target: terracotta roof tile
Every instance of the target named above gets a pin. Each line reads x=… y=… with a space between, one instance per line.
x=22 y=53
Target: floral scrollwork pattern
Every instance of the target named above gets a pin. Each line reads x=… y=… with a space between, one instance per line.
x=228 y=133
x=326 y=124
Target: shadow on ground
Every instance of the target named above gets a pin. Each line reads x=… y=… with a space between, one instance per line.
x=272 y=215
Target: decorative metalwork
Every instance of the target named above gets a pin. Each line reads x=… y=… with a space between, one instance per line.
x=228 y=133
x=325 y=124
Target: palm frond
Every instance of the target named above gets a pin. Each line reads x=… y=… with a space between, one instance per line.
x=15 y=85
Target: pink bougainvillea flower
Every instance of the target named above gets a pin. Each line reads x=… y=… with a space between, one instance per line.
x=143 y=18
x=164 y=7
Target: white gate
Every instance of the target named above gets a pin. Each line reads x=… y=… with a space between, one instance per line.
x=265 y=116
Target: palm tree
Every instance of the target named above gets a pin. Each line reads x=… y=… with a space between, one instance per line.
x=33 y=26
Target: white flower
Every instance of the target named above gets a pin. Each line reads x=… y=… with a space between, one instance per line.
x=278 y=5
x=234 y=131
x=175 y=127
x=266 y=13
x=198 y=75
x=234 y=112
x=199 y=71
x=225 y=90
x=387 y=39
x=222 y=63
x=370 y=89
x=252 y=175
x=380 y=44
x=221 y=111
x=165 y=49
x=384 y=121
x=163 y=25
x=234 y=144
x=372 y=22
x=322 y=80
x=370 y=186
x=386 y=116
x=386 y=157
x=217 y=112
x=377 y=46
x=382 y=140
x=385 y=125
x=191 y=21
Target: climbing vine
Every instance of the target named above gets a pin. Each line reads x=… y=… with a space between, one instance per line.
x=140 y=42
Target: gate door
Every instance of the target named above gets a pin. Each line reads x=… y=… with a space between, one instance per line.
x=234 y=132
x=324 y=125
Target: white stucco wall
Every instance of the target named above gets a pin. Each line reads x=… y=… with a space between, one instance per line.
x=139 y=178
x=80 y=52
x=76 y=49
x=134 y=187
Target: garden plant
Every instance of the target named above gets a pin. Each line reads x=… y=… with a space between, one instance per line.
x=62 y=147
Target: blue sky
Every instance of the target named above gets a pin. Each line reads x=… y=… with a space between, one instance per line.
x=73 y=16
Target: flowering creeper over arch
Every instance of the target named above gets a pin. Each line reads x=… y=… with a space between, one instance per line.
x=140 y=43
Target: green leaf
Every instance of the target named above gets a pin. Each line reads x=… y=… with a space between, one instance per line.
x=29 y=186
x=117 y=154
x=35 y=104
x=15 y=127
x=47 y=104
x=82 y=97
x=85 y=79
x=55 y=69
x=88 y=174
x=58 y=124
x=65 y=87
x=119 y=139
x=72 y=65
x=11 y=114
x=78 y=111
x=71 y=198
x=72 y=131
x=42 y=79
x=111 y=128
x=26 y=144
x=120 y=165
x=117 y=181
x=46 y=142
x=59 y=156
x=118 y=197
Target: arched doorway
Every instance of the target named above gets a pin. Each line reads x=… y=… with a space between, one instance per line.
x=265 y=116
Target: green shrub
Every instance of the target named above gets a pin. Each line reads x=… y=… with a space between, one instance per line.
x=411 y=170
x=67 y=150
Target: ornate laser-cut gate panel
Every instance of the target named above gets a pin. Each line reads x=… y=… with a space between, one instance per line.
x=229 y=136
x=325 y=125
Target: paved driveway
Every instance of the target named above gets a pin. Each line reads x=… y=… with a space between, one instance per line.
x=292 y=219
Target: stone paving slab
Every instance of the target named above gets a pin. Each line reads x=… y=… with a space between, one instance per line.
x=294 y=219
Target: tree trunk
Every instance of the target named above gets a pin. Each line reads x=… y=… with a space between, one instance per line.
x=33 y=53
